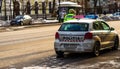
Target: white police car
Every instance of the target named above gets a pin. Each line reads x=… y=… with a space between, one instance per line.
x=85 y=35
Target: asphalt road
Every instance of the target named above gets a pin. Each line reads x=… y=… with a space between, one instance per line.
x=33 y=47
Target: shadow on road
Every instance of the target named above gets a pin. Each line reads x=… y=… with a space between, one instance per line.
x=75 y=59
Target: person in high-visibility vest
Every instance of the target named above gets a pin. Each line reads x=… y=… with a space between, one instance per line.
x=70 y=15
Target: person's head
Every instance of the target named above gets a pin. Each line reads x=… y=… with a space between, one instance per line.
x=72 y=11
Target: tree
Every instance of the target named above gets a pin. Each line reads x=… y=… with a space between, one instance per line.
x=36 y=7
x=95 y=6
x=86 y=7
x=0 y=5
x=28 y=7
x=16 y=8
x=53 y=7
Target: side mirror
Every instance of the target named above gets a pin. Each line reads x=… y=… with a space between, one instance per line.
x=112 y=29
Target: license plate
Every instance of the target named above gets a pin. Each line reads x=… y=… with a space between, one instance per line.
x=70 y=46
x=72 y=39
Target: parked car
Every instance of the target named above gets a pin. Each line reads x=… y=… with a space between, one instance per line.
x=21 y=20
x=107 y=18
x=116 y=14
x=85 y=35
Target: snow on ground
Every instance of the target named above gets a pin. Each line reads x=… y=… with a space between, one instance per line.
x=112 y=64
x=50 y=21
x=4 y=23
x=35 y=21
x=40 y=20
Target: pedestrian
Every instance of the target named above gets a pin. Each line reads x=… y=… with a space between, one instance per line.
x=62 y=15
x=104 y=12
x=70 y=15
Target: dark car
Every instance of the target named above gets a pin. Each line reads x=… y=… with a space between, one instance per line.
x=21 y=20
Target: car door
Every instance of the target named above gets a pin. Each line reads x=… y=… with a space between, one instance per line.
x=108 y=35
x=98 y=31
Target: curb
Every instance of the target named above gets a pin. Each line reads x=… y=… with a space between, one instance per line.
x=15 y=28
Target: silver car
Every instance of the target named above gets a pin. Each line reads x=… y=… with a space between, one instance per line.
x=85 y=35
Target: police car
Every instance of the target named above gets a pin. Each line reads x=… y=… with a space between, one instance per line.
x=85 y=35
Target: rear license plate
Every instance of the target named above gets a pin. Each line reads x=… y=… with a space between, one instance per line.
x=70 y=46
x=72 y=39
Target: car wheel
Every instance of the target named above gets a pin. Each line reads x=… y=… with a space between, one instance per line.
x=96 y=50
x=116 y=44
x=60 y=54
x=21 y=23
x=11 y=24
x=30 y=22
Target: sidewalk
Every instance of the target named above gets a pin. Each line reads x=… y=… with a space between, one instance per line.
x=15 y=28
x=36 y=23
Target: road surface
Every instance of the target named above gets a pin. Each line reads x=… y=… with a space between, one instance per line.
x=33 y=48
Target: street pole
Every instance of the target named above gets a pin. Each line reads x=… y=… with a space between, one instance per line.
x=5 y=10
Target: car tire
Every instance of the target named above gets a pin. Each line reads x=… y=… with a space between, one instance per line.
x=96 y=49
x=30 y=22
x=116 y=44
x=59 y=54
x=11 y=24
x=21 y=23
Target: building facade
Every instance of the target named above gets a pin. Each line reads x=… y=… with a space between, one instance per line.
x=109 y=6
x=88 y=6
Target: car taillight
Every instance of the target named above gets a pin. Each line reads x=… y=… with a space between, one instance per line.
x=88 y=35
x=57 y=35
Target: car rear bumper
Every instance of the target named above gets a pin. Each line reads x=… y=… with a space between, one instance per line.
x=86 y=46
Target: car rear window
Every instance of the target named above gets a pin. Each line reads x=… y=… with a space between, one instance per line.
x=74 y=27
x=19 y=17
